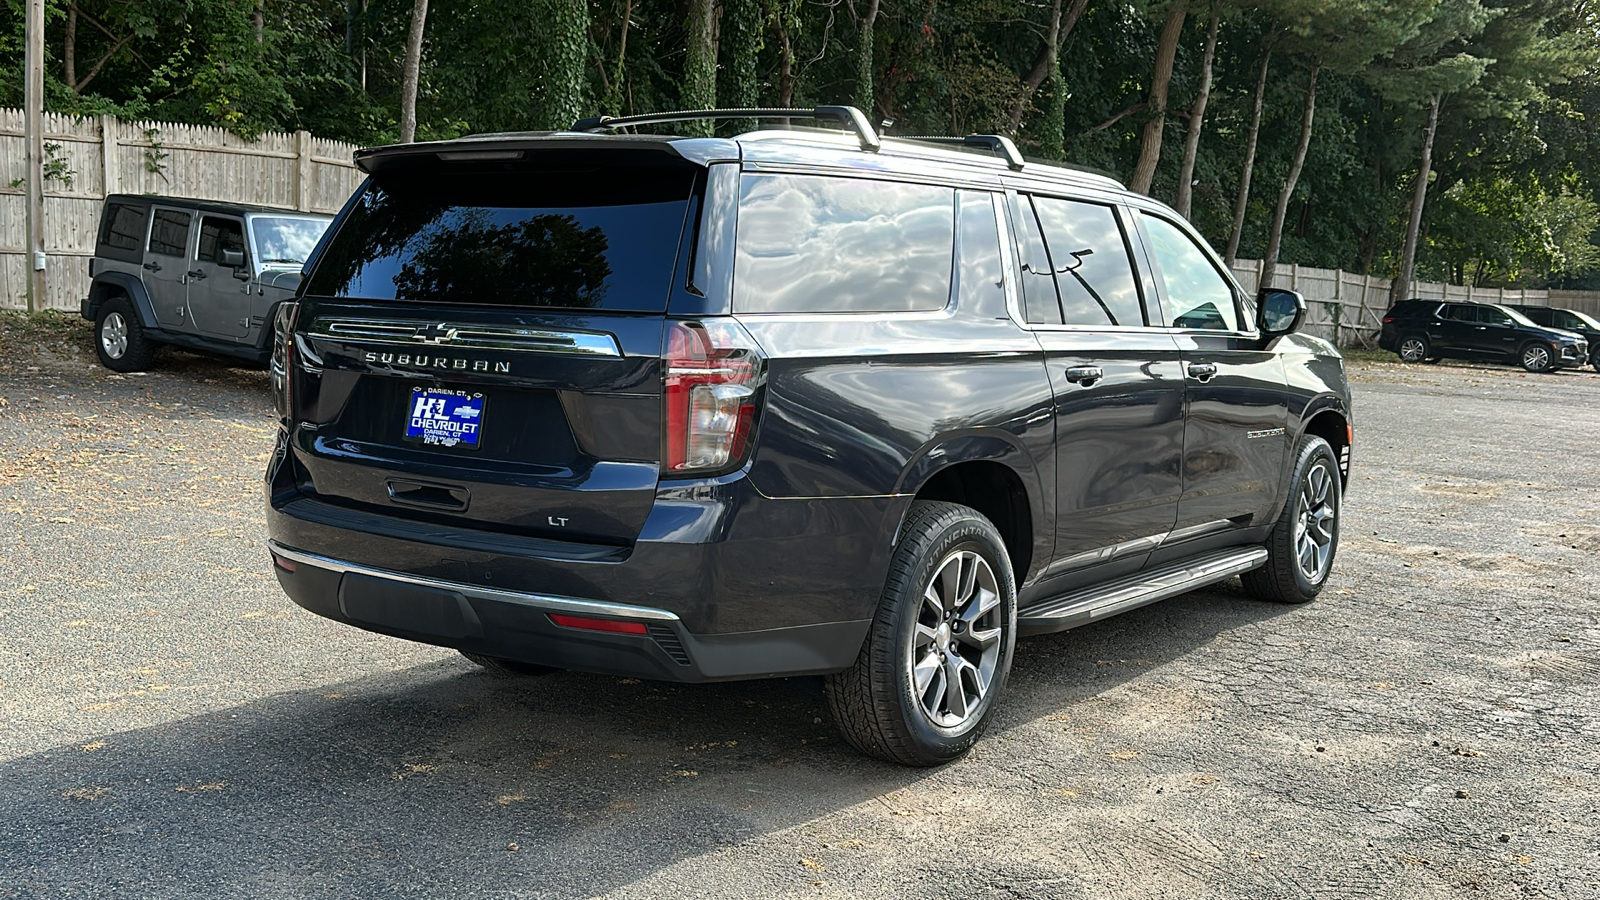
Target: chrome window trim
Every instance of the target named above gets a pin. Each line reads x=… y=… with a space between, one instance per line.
x=546 y=602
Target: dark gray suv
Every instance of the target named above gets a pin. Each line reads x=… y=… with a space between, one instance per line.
x=194 y=274
x=791 y=403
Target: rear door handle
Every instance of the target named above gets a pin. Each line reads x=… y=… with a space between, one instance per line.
x=1202 y=371
x=197 y=274
x=153 y=266
x=1084 y=375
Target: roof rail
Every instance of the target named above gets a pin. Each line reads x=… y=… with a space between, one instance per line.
x=852 y=118
x=998 y=144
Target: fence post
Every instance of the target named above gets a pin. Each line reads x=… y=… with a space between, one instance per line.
x=110 y=178
x=302 y=172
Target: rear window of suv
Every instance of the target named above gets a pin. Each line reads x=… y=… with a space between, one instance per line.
x=597 y=238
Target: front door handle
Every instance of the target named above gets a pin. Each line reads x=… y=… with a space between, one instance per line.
x=1084 y=375
x=1202 y=371
x=197 y=274
x=153 y=266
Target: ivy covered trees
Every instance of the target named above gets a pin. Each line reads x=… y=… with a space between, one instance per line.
x=1456 y=138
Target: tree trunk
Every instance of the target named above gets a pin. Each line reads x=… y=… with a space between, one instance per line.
x=740 y=46
x=1197 y=118
x=1048 y=64
x=412 y=72
x=258 y=18
x=1401 y=286
x=1269 y=267
x=785 y=59
x=1242 y=202
x=566 y=55
x=700 y=70
x=1144 y=173
x=864 y=97
x=69 y=53
x=1052 y=131
x=613 y=101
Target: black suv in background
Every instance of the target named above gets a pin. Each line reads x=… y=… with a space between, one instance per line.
x=796 y=402
x=1422 y=330
x=197 y=274
x=1579 y=323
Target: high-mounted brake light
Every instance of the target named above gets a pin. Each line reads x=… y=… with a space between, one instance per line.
x=282 y=374
x=1388 y=319
x=713 y=371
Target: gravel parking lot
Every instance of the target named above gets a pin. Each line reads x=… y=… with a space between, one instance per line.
x=174 y=727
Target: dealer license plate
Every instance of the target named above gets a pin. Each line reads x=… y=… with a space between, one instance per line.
x=445 y=418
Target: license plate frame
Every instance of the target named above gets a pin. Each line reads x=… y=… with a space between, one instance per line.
x=445 y=418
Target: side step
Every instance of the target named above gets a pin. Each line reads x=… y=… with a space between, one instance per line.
x=1092 y=603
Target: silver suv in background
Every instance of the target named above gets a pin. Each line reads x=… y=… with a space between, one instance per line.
x=196 y=274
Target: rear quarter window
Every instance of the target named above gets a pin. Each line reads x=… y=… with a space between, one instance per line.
x=819 y=244
x=122 y=228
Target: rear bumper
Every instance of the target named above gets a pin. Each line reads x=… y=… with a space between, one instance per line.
x=742 y=585
x=519 y=626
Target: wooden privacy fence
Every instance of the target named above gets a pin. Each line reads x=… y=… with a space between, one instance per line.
x=1348 y=309
x=88 y=158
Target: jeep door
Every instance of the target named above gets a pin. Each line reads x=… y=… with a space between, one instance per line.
x=219 y=301
x=1236 y=418
x=166 y=267
x=1117 y=382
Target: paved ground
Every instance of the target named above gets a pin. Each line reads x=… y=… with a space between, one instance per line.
x=174 y=727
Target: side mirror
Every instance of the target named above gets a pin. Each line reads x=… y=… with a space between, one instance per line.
x=232 y=258
x=1279 y=311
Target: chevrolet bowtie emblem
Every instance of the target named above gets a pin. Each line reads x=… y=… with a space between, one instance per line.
x=435 y=334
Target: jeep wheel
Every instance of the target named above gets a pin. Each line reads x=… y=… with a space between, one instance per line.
x=1301 y=547
x=1538 y=357
x=924 y=686
x=1413 y=348
x=507 y=668
x=119 y=339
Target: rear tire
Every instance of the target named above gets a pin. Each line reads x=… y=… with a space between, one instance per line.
x=508 y=668
x=1414 y=348
x=924 y=686
x=119 y=339
x=1302 y=545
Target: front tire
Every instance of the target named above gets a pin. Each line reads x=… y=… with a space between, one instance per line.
x=1538 y=357
x=925 y=683
x=119 y=339
x=1305 y=538
x=1413 y=348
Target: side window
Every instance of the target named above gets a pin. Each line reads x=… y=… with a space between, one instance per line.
x=1566 y=320
x=123 y=226
x=1040 y=304
x=1457 y=312
x=217 y=235
x=1094 y=274
x=1199 y=296
x=979 y=278
x=169 y=233
x=815 y=244
x=1493 y=316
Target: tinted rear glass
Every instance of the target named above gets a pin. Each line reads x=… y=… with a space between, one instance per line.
x=593 y=239
x=123 y=226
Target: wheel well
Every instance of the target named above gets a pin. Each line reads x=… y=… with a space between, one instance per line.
x=1335 y=429
x=101 y=291
x=995 y=491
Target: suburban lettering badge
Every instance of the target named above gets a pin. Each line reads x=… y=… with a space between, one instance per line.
x=424 y=361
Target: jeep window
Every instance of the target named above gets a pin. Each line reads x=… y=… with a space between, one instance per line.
x=1094 y=273
x=286 y=241
x=1198 y=296
x=122 y=230
x=815 y=244
x=979 y=277
x=217 y=235
x=169 y=233
x=592 y=238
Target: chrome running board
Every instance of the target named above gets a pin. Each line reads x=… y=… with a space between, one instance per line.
x=1090 y=604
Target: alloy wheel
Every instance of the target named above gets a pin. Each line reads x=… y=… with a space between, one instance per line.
x=114 y=335
x=1317 y=524
x=1412 y=350
x=956 y=647
x=1536 y=358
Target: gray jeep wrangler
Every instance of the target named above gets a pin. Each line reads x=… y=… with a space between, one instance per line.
x=195 y=274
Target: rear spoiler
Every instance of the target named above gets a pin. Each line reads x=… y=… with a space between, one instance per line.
x=491 y=148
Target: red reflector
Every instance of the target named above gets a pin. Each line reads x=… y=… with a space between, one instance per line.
x=1388 y=319
x=598 y=624
x=285 y=564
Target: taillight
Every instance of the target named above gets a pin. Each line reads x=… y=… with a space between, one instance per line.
x=283 y=360
x=713 y=371
x=1388 y=320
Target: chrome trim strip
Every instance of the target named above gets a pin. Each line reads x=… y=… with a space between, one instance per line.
x=467 y=337
x=548 y=602
x=1113 y=551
